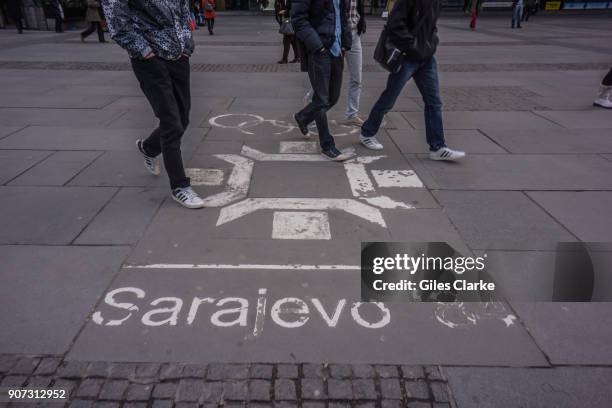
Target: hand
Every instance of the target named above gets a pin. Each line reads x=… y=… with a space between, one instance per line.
x=149 y=55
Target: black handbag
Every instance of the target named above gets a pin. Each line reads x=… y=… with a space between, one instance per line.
x=286 y=27
x=386 y=54
x=390 y=57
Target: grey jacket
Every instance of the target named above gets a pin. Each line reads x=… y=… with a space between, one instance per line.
x=140 y=26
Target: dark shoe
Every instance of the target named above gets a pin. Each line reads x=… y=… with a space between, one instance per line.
x=336 y=155
x=303 y=128
x=282 y=62
x=519 y=26
x=295 y=60
x=82 y=38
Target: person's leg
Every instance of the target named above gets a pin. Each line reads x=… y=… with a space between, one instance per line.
x=319 y=72
x=354 y=59
x=212 y=24
x=157 y=85
x=474 y=16
x=180 y=74
x=395 y=84
x=607 y=81
x=286 y=45
x=90 y=29
x=519 y=13
x=426 y=79
x=59 y=25
x=18 y=24
x=335 y=80
x=296 y=55
x=100 y=32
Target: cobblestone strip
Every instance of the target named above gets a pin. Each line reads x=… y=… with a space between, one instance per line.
x=173 y=385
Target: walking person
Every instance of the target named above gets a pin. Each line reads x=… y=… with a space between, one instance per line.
x=58 y=15
x=354 y=61
x=282 y=13
x=209 y=15
x=604 y=98
x=94 y=17
x=473 y=7
x=517 y=13
x=157 y=36
x=413 y=22
x=531 y=7
x=15 y=13
x=322 y=26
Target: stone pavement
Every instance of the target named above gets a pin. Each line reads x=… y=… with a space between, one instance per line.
x=110 y=289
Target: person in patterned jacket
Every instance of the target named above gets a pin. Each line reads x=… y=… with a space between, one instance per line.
x=157 y=36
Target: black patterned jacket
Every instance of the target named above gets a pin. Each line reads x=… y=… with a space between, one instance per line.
x=142 y=26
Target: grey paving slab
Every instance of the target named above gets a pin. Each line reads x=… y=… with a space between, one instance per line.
x=588 y=215
x=501 y=219
x=199 y=105
x=300 y=180
x=412 y=335
x=599 y=119
x=563 y=387
x=86 y=138
x=423 y=225
x=553 y=141
x=121 y=169
x=470 y=141
x=51 y=292
x=607 y=156
x=7 y=130
x=483 y=119
x=124 y=219
x=48 y=215
x=57 y=169
x=570 y=333
x=21 y=100
x=15 y=162
x=522 y=172
x=56 y=117
x=144 y=119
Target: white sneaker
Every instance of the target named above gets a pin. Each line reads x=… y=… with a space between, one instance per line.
x=370 y=142
x=150 y=163
x=187 y=197
x=446 y=154
x=353 y=121
x=604 y=99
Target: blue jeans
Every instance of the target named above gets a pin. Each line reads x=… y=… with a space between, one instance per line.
x=425 y=74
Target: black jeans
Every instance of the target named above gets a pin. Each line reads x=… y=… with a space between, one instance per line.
x=166 y=86
x=210 y=23
x=607 y=81
x=93 y=26
x=59 y=25
x=325 y=73
x=289 y=41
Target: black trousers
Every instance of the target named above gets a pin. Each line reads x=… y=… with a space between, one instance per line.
x=59 y=25
x=210 y=22
x=289 y=41
x=607 y=81
x=166 y=86
x=325 y=73
x=93 y=26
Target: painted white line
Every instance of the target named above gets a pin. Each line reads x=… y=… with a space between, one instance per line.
x=300 y=225
x=397 y=178
x=358 y=178
x=205 y=177
x=301 y=267
x=237 y=184
x=387 y=203
x=298 y=147
x=250 y=205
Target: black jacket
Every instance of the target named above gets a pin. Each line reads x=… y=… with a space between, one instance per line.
x=282 y=5
x=404 y=18
x=314 y=22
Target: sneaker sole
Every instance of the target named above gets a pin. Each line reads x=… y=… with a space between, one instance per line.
x=340 y=158
x=191 y=207
x=601 y=106
x=446 y=159
x=371 y=148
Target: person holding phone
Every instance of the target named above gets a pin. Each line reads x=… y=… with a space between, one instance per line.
x=157 y=36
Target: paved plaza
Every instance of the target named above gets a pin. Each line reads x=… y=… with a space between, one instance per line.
x=111 y=290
